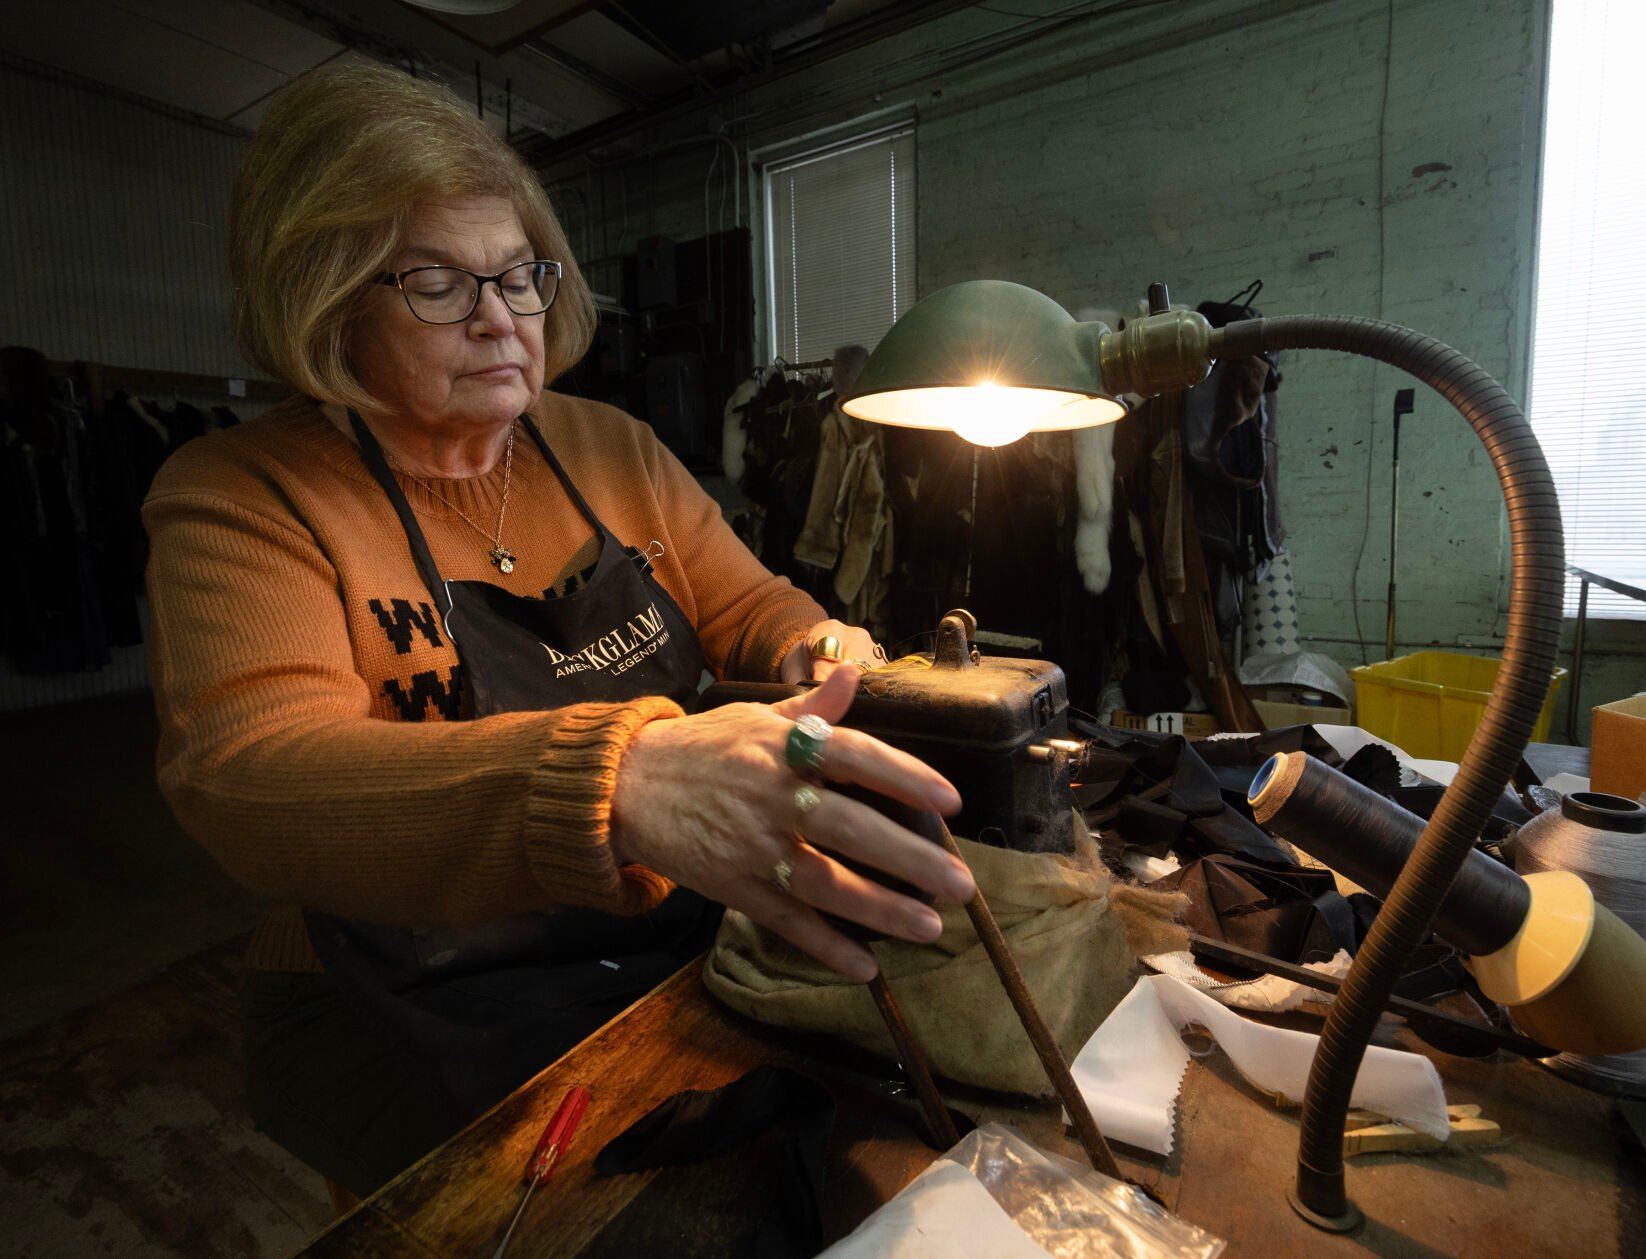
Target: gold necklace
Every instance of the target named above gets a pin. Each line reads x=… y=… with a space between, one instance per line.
x=500 y=555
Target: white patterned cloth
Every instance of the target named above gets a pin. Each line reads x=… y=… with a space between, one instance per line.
x=1269 y=611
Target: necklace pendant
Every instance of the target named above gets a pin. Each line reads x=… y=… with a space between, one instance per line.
x=503 y=558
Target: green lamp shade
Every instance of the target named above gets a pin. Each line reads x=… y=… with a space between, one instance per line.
x=990 y=361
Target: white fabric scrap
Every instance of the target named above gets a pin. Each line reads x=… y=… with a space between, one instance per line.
x=1131 y=1069
x=945 y=1211
x=1566 y=783
x=1268 y=994
x=1347 y=740
x=1147 y=868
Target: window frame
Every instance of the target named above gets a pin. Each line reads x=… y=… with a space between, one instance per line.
x=798 y=151
x=1536 y=133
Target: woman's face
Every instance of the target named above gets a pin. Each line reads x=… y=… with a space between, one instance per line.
x=461 y=377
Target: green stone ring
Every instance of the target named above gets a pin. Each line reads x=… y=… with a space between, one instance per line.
x=808 y=739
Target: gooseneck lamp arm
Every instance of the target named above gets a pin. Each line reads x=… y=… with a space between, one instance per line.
x=1537 y=561
x=1006 y=346
x=1146 y=357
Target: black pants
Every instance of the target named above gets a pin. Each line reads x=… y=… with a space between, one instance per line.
x=328 y=1088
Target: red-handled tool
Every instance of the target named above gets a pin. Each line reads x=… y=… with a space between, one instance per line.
x=550 y=1146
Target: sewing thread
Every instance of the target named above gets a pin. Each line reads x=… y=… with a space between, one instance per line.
x=1612 y=861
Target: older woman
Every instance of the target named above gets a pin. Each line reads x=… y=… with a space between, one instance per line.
x=423 y=640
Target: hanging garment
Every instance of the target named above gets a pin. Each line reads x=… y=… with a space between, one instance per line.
x=1230 y=440
x=819 y=540
x=848 y=526
x=57 y=623
x=783 y=425
x=1094 y=482
x=733 y=422
x=1268 y=615
x=478 y=1009
x=1176 y=563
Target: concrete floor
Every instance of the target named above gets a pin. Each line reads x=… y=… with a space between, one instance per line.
x=122 y=1122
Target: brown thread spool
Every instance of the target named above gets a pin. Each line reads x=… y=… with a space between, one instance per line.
x=1368 y=837
x=1572 y=973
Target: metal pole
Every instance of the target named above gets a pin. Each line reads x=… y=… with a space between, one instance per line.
x=1045 y=1044
x=914 y=1065
x=1577 y=659
x=1403 y=406
x=1394 y=520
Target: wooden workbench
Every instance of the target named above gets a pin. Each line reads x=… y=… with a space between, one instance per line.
x=1562 y=1183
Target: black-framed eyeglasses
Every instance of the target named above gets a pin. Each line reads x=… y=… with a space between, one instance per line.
x=439 y=294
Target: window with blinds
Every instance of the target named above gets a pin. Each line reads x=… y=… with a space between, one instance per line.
x=1588 y=400
x=839 y=244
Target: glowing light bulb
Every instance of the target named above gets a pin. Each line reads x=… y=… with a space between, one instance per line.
x=987 y=414
x=994 y=430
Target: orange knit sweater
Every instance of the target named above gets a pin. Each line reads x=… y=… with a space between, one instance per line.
x=304 y=684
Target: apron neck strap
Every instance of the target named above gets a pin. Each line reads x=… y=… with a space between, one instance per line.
x=566 y=482
x=377 y=463
x=372 y=452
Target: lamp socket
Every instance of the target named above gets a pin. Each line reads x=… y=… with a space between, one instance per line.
x=1156 y=354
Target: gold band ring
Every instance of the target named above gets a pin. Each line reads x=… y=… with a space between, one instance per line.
x=828 y=648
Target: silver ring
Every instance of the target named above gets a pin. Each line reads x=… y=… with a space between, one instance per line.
x=781 y=873
x=806 y=798
x=807 y=741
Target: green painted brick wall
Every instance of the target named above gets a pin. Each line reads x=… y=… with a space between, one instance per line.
x=1358 y=156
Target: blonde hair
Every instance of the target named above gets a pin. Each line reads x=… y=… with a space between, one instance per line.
x=323 y=200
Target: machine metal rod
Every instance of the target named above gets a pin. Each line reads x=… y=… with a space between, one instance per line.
x=938 y=1122
x=1585 y=577
x=1577 y=660
x=1045 y=1044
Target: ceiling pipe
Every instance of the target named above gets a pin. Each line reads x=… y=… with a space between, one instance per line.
x=541 y=150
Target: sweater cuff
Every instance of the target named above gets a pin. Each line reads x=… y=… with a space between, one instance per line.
x=773 y=636
x=787 y=644
x=568 y=809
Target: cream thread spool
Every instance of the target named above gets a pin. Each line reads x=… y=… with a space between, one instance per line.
x=1601 y=839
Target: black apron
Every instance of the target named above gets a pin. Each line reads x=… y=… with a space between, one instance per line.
x=480 y=1009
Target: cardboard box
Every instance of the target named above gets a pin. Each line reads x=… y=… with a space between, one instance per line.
x=1617 y=747
x=1189 y=725
x=1277 y=715
x=1199 y=725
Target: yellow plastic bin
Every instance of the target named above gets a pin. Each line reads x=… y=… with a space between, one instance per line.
x=1429 y=703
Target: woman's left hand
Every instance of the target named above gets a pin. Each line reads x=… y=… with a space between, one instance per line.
x=857 y=647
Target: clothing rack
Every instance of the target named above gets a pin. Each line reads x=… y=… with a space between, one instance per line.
x=101 y=378
x=816 y=365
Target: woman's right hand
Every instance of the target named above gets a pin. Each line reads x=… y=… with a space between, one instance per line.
x=709 y=802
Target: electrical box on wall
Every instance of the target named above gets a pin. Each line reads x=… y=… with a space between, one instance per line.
x=655 y=275
x=675 y=339
x=618 y=347
x=675 y=404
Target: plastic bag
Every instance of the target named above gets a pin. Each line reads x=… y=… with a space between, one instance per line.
x=1067 y=1210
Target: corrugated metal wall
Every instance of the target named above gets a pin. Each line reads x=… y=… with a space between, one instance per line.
x=113 y=227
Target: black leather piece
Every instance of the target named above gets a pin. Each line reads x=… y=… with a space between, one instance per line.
x=696 y=1125
x=1296 y=915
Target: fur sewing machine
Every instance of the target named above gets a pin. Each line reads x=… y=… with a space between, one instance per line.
x=995 y=725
